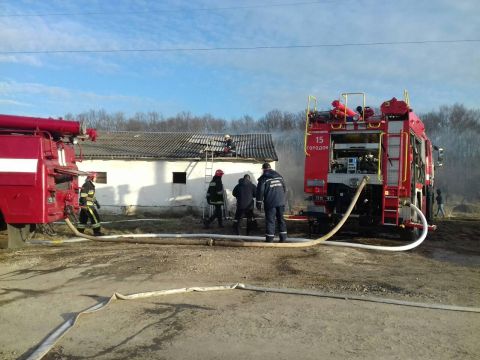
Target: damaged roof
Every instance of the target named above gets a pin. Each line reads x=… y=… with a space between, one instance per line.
x=174 y=145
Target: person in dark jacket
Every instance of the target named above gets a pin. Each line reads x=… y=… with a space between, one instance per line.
x=271 y=192
x=244 y=192
x=215 y=198
x=440 y=206
x=229 y=148
x=87 y=203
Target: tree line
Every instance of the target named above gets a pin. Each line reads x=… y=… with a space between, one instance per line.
x=457 y=130
x=452 y=127
x=274 y=120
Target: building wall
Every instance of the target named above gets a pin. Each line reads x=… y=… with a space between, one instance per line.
x=147 y=186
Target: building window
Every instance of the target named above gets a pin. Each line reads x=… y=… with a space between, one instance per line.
x=101 y=177
x=179 y=177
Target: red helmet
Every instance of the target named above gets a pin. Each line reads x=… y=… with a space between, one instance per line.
x=219 y=173
x=92 y=175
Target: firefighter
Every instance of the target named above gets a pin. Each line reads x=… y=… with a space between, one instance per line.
x=440 y=206
x=244 y=192
x=368 y=163
x=271 y=192
x=229 y=148
x=215 y=198
x=88 y=202
x=367 y=111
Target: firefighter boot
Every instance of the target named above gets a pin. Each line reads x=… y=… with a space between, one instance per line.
x=97 y=232
x=283 y=237
x=269 y=238
x=253 y=224
x=206 y=224
x=236 y=227
x=249 y=227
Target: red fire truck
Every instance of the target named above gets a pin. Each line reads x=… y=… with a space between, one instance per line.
x=388 y=145
x=38 y=173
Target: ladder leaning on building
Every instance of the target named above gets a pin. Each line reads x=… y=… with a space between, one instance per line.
x=207 y=210
x=209 y=153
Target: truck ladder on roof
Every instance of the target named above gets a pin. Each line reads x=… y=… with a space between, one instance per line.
x=392 y=178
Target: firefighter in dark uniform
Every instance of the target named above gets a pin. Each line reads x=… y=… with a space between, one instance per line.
x=229 y=148
x=215 y=198
x=271 y=192
x=88 y=202
x=244 y=192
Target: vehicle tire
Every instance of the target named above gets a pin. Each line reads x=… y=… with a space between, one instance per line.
x=3 y=224
x=409 y=234
x=18 y=234
x=319 y=227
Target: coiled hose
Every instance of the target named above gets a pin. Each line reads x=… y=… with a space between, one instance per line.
x=255 y=241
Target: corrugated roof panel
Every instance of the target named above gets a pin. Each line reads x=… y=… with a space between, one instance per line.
x=162 y=145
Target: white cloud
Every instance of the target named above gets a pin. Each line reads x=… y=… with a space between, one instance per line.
x=9 y=88
x=21 y=59
x=276 y=77
x=260 y=79
x=39 y=34
x=62 y=100
x=13 y=102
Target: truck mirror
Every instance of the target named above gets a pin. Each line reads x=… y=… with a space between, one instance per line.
x=439 y=157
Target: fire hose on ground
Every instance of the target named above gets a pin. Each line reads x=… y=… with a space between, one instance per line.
x=257 y=241
x=242 y=241
x=59 y=332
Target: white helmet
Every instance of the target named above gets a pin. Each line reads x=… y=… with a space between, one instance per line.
x=227 y=136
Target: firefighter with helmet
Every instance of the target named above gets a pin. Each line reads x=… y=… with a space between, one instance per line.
x=215 y=198
x=88 y=202
x=229 y=146
x=271 y=192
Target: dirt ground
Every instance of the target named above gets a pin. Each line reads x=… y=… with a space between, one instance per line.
x=41 y=286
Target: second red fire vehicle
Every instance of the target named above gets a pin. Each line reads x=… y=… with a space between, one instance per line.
x=389 y=146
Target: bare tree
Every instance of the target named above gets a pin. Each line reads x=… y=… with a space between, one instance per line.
x=455 y=128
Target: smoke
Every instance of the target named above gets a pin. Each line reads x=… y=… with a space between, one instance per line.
x=291 y=158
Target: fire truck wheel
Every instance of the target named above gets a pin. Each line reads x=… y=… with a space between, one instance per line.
x=18 y=234
x=3 y=224
x=409 y=234
x=319 y=227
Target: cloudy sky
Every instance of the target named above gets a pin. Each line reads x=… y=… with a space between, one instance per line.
x=231 y=58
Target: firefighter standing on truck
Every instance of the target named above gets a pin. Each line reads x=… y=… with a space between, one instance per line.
x=88 y=202
x=271 y=192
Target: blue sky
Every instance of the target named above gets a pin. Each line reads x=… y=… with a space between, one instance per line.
x=233 y=83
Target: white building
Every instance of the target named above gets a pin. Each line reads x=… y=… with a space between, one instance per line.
x=167 y=172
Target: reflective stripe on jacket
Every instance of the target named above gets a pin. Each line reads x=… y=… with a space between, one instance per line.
x=215 y=191
x=87 y=194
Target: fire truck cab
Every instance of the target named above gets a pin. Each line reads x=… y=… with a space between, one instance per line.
x=389 y=145
x=38 y=173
